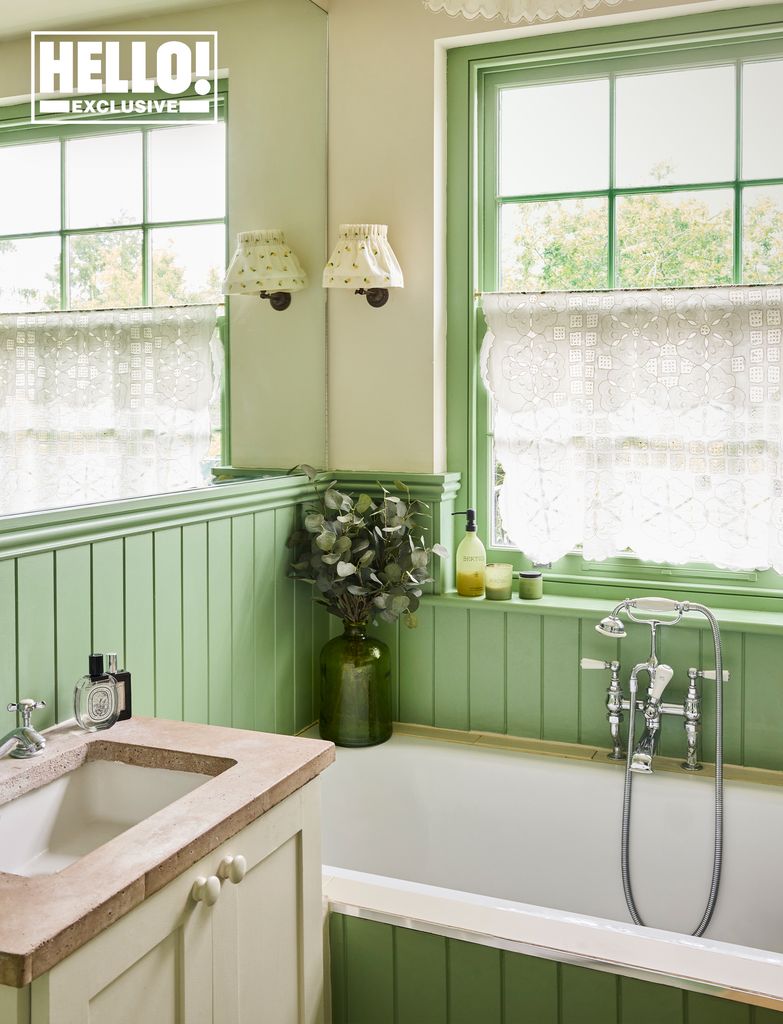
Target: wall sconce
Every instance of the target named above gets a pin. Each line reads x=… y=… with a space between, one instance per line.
x=364 y=260
x=264 y=265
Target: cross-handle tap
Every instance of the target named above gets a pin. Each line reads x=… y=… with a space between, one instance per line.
x=24 y=741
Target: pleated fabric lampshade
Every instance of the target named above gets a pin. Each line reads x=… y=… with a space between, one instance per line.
x=363 y=260
x=264 y=264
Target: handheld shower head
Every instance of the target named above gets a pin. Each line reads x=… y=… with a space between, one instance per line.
x=612 y=627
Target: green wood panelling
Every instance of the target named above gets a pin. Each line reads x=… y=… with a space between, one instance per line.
x=35 y=632
x=73 y=621
x=386 y=974
x=421 y=989
x=108 y=607
x=369 y=972
x=530 y=990
x=200 y=612
x=8 y=689
x=468 y=666
x=475 y=983
x=642 y=1002
x=451 y=698
x=195 y=624
x=168 y=623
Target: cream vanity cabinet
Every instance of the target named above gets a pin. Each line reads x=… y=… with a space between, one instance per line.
x=207 y=949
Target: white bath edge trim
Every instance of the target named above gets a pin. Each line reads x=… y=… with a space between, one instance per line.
x=405 y=904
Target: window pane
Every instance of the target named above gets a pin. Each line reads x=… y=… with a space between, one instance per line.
x=554 y=245
x=762 y=235
x=676 y=127
x=665 y=240
x=187 y=172
x=188 y=264
x=104 y=180
x=762 y=141
x=554 y=138
x=30 y=192
x=29 y=274
x=104 y=269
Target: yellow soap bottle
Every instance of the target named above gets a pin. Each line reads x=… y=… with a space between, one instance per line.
x=471 y=559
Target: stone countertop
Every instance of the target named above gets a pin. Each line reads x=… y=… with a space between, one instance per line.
x=44 y=918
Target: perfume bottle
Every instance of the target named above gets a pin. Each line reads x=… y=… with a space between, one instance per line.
x=123 y=678
x=96 y=699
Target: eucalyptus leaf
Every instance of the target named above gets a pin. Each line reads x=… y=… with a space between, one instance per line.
x=440 y=551
x=363 y=504
x=345 y=569
x=325 y=541
x=333 y=499
x=313 y=522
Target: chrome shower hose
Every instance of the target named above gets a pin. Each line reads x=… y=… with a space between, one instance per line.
x=718 y=835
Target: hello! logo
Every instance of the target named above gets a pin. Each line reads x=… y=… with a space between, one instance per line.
x=148 y=77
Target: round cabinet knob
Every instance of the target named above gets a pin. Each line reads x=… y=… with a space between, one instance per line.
x=233 y=868
x=206 y=890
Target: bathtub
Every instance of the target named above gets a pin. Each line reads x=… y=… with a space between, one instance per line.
x=520 y=851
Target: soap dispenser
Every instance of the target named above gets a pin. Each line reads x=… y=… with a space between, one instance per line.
x=96 y=699
x=471 y=559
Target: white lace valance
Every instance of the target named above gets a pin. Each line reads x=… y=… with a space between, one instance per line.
x=514 y=11
x=642 y=420
x=105 y=404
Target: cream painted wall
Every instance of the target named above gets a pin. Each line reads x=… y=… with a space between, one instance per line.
x=275 y=52
x=386 y=138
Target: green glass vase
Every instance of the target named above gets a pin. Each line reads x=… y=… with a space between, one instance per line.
x=355 y=689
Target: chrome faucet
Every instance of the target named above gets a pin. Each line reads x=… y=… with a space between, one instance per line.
x=652 y=707
x=24 y=741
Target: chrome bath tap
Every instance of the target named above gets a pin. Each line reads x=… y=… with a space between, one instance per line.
x=23 y=741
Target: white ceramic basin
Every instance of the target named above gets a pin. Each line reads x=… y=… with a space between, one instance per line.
x=47 y=829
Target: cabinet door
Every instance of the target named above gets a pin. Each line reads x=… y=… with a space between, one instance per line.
x=154 y=966
x=269 y=925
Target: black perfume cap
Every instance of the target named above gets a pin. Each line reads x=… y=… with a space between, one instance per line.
x=96 y=665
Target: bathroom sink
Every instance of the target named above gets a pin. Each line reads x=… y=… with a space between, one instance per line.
x=46 y=829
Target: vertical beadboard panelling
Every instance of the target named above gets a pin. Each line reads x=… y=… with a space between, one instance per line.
x=475 y=983
x=108 y=597
x=285 y=639
x=8 y=692
x=384 y=973
x=451 y=675
x=74 y=622
x=587 y=997
x=242 y=623
x=530 y=989
x=320 y=636
x=763 y=700
x=732 y=645
x=680 y=648
x=303 y=657
x=593 y=684
x=140 y=621
x=168 y=623
x=523 y=675
x=642 y=1002
x=35 y=632
x=195 y=624
x=416 y=668
x=389 y=632
x=421 y=991
x=487 y=660
x=561 y=679
x=220 y=654
x=264 y=610
x=369 y=972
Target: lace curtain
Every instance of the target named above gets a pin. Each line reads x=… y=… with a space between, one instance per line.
x=514 y=11
x=642 y=420
x=105 y=404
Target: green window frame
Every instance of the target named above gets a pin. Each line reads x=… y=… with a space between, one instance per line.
x=17 y=129
x=476 y=75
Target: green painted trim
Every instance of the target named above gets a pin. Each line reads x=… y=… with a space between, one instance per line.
x=742 y=619
x=427 y=487
x=474 y=76
x=62 y=528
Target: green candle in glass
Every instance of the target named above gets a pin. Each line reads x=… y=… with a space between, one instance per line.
x=498 y=581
